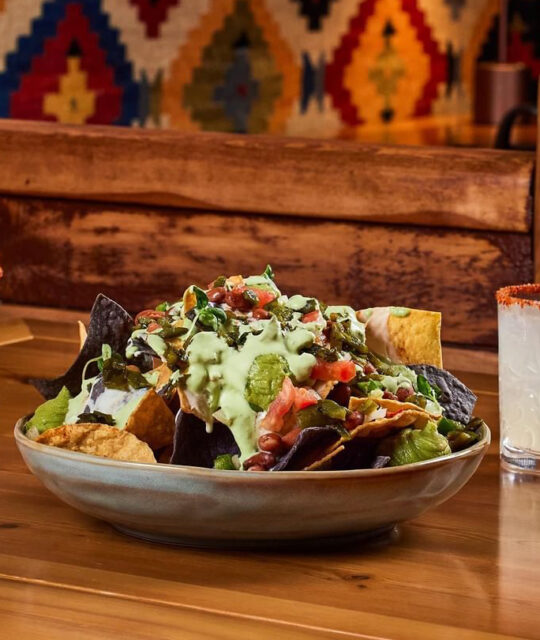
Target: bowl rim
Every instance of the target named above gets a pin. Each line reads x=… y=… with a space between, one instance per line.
x=155 y=467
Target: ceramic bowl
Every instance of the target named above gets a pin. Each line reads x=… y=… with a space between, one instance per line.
x=206 y=507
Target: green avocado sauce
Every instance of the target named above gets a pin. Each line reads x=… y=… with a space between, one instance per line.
x=400 y=312
x=262 y=282
x=219 y=374
x=297 y=302
x=404 y=378
x=119 y=404
x=343 y=312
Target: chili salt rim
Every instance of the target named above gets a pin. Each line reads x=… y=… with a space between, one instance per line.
x=508 y=295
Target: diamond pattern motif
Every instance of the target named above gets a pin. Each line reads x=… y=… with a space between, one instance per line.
x=153 y=13
x=71 y=68
x=303 y=67
x=398 y=78
x=456 y=6
x=314 y=11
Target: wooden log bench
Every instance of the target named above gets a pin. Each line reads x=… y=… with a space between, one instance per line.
x=141 y=214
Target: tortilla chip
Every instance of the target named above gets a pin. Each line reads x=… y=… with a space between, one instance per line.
x=417 y=337
x=185 y=404
x=408 y=339
x=358 y=453
x=98 y=440
x=152 y=421
x=389 y=404
x=384 y=426
x=457 y=400
x=163 y=376
x=235 y=281
x=164 y=456
x=325 y=462
x=324 y=387
x=109 y=324
x=311 y=446
x=380 y=462
x=195 y=447
x=368 y=431
x=189 y=299
x=83 y=334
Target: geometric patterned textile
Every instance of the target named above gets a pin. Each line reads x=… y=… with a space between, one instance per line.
x=153 y=13
x=387 y=65
x=70 y=67
x=298 y=67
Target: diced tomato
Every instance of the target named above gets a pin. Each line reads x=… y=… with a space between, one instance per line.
x=304 y=398
x=235 y=298
x=342 y=370
x=282 y=403
x=152 y=314
x=391 y=414
x=312 y=316
x=153 y=326
x=263 y=296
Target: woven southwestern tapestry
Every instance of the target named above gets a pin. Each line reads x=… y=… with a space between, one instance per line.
x=298 y=67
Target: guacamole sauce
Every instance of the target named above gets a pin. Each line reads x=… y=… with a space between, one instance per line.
x=219 y=373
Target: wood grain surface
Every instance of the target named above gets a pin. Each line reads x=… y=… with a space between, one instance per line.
x=31 y=611
x=470 y=188
x=464 y=570
x=58 y=253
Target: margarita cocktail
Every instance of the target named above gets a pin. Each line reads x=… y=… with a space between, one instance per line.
x=519 y=376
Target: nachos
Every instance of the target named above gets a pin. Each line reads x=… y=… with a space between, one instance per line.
x=239 y=376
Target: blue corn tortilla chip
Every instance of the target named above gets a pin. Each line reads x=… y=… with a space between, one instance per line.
x=457 y=400
x=194 y=447
x=357 y=453
x=311 y=445
x=109 y=324
x=380 y=462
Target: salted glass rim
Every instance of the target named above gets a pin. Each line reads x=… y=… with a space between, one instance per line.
x=516 y=294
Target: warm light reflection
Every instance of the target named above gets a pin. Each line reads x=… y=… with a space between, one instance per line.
x=519 y=544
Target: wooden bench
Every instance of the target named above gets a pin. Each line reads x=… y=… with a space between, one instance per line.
x=141 y=214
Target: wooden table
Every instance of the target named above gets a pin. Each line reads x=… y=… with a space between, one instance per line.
x=468 y=569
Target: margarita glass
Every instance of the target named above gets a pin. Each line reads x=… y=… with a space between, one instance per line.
x=519 y=376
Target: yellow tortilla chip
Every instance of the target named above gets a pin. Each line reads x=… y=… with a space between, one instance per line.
x=375 y=429
x=390 y=405
x=235 y=281
x=323 y=387
x=152 y=421
x=163 y=377
x=189 y=299
x=380 y=428
x=98 y=440
x=417 y=337
x=184 y=401
x=407 y=336
x=82 y=334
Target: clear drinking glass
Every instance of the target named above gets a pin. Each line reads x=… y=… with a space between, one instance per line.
x=519 y=376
